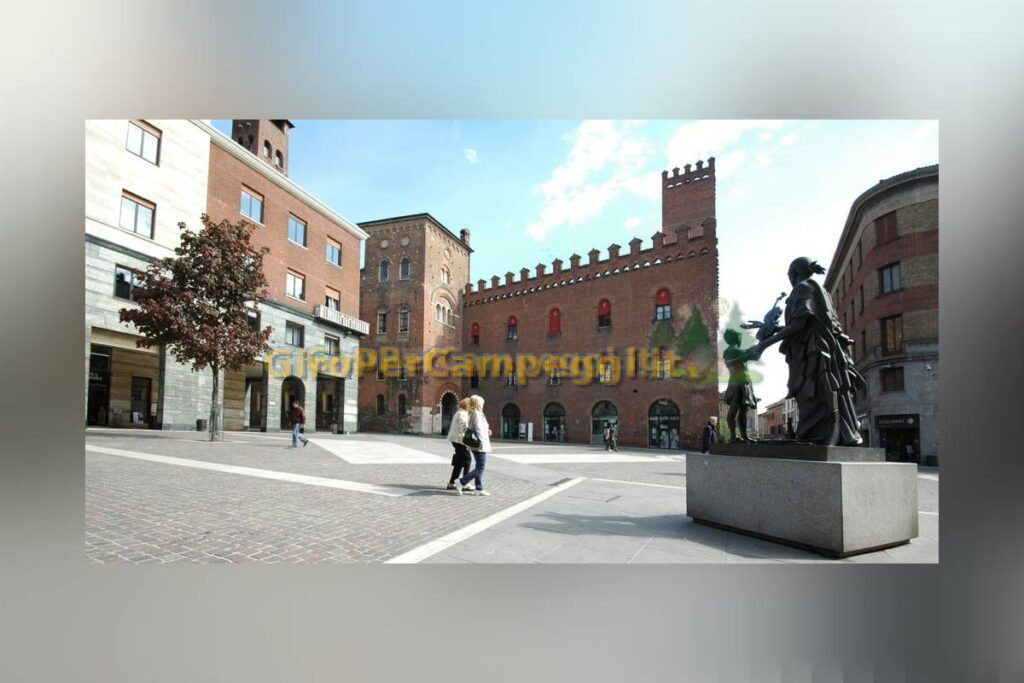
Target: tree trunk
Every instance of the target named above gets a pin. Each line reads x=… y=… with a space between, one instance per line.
x=213 y=401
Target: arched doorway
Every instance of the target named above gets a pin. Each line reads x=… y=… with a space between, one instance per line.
x=510 y=421
x=554 y=422
x=292 y=389
x=449 y=404
x=663 y=425
x=604 y=414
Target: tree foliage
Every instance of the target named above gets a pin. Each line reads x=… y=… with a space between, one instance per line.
x=198 y=303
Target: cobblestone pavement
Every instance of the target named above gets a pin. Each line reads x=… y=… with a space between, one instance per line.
x=145 y=512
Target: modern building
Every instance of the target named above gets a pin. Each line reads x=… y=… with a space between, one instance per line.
x=884 y=282
x=661 y=296
x=411 y=294
x=312 y=270
x=142 y=179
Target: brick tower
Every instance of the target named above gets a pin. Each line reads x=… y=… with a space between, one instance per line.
x=266 y=138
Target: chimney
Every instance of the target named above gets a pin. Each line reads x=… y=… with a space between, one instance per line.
x=464 y=236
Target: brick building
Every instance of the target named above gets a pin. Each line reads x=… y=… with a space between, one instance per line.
x=779 y=420
x=661 y=296
x=312 y=270
x=142 y=179
x=884 y=281
x=411 y=294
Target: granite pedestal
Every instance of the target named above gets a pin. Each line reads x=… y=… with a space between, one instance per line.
x=836 y=501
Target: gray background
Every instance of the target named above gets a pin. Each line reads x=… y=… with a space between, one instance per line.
x=958 y=62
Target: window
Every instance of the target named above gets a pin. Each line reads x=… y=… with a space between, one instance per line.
x=892 y=379
x=332 y=299
x=382 y=407
x=605 y=370
x=382 y=322
x=890 y=280
x=144 y=141
x=401 y=369
x=555 y=378
x=332 y=344
x=474 y=333
x=126 y=283
x=513 y=329
x=401 y=404
x=384 y=271
x=885 y=227
x=860 y=299
x=333 y=251
x=266 y=148
x=604 y=313
x=404 y=268
x=137 y=214
x=252 y=205
x=554 y=321
x=510 y=378
x=662 y=368
x=892 y=334
x=403 y=319
x=295 y=286
x=663 y=305
x=294 y=334
x=446 y=276
x=278 y=159
x=296 y=231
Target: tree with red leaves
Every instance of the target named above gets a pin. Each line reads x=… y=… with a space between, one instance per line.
x=200 y=303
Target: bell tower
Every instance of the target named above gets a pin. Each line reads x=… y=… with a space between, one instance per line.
x=266 y=138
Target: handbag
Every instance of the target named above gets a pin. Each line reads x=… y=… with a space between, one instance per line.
x=471 y=438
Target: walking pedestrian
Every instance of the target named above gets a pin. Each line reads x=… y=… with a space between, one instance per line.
x=710 y=435
x=462 y=459
x=613 y=438
x=480 y=446
x=607 y=435
x=298 y=423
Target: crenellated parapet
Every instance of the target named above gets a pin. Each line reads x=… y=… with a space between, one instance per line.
x=689 y=174
x=665 y=248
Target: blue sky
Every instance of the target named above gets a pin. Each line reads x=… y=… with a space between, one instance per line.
x=535 y=190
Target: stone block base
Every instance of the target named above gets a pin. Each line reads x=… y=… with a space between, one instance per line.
x=833 y=508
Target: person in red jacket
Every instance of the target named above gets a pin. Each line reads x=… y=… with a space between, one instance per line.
x=298 y=421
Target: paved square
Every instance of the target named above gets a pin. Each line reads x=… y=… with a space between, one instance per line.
x=164 y=497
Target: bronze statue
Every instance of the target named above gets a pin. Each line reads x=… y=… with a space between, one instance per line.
x=740 y=394
x=822 y=377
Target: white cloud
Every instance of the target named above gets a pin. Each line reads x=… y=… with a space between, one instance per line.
x=633 y=223
x=733 y=143
x=471 y=155
x=605 y=161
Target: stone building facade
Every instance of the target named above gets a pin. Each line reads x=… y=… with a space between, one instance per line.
x=884 y=282
x=142 y=179
x=411 y=295
x=661 y=296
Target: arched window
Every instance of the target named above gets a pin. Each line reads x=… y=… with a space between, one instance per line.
x=446 y=276
x=266 y=148
x=381 y=406
x=404 y=269
x=385 y=269
x=554 y=322
x=474 y=333
x=663 y=424
x=437 y=312
x=279 y=159
x=663 y=305
x=401 y=404
x=604 y=313
x=513 y=328
x=554 y=422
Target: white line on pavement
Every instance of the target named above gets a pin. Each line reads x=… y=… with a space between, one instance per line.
x=433 y=547
x=638 y=483
x=254 y=472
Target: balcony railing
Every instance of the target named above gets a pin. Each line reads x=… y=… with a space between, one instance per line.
x=342 y=320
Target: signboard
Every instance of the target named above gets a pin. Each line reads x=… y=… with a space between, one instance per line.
x=897 y=421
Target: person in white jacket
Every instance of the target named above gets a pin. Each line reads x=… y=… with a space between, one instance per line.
x=478 y=423
x=461 y=459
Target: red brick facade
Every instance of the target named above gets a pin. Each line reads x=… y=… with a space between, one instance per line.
x=228 y=177
x=682 y=260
